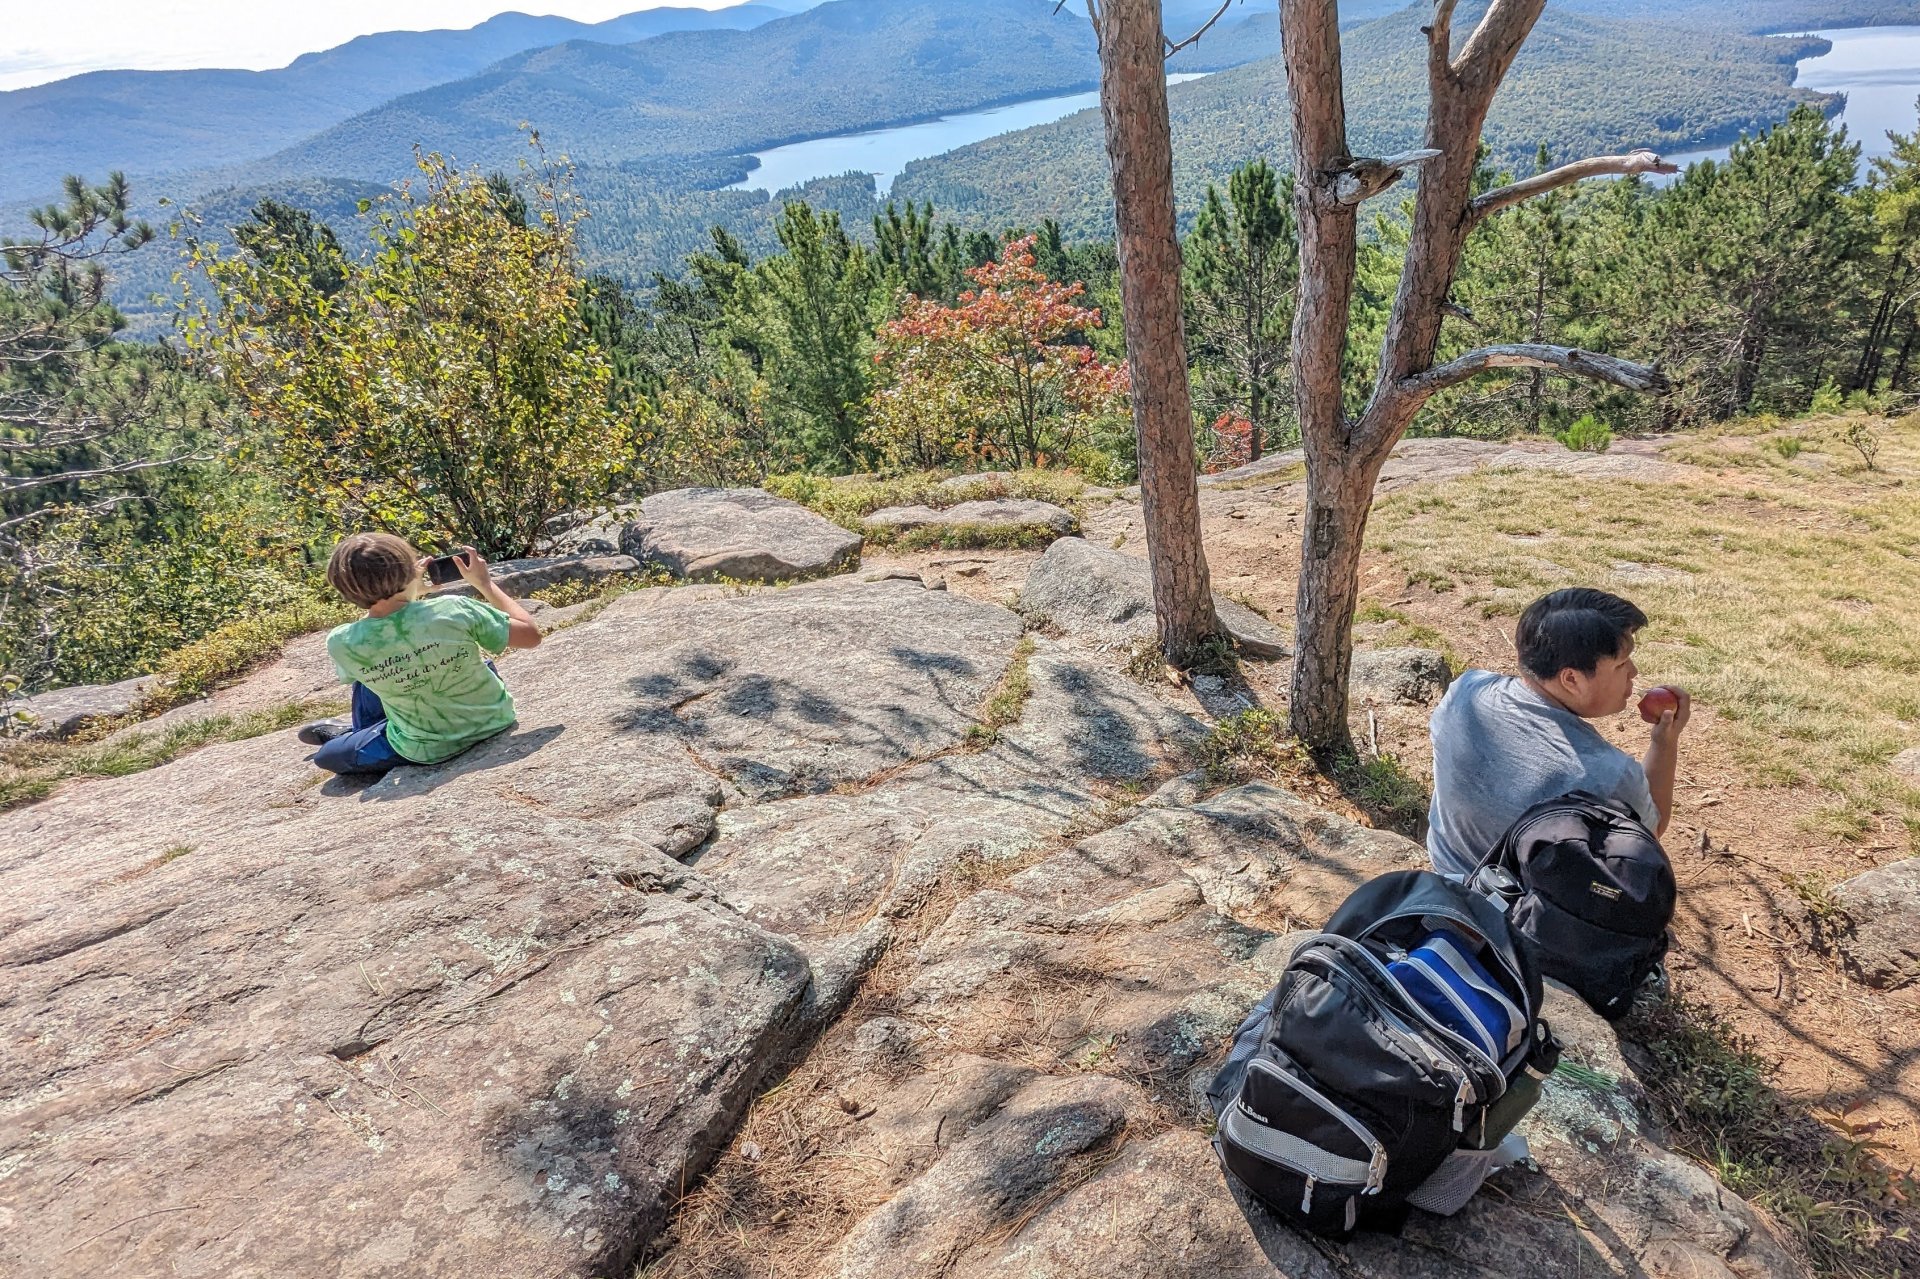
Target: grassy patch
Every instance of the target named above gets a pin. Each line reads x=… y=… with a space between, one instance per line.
x=848 y=500
x=1401 y=631
x=1008 y=700
x=1387 y=790
x=1853 y=1214
x=1786 y=598
x=242 y=645
x=1253 y=744
x=30 y=770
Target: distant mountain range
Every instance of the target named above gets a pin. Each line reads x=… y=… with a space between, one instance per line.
x=852 y=64
x=152 y=122
x=660 y=109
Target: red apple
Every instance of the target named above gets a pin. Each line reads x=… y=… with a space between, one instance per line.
x=1656 y=702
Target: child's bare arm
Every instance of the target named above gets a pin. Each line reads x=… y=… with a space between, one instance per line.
x=521 y=630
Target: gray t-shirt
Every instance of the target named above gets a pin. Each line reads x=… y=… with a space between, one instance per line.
x=1499 y=748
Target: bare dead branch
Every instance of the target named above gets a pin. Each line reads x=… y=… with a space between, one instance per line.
x=1506 y=197
x=1206 y=26
x=1439 y=35
x=1572 y=361
x=21 y=485
x=1364 y=178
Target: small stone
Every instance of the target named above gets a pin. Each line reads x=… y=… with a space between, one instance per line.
x=1907 y=763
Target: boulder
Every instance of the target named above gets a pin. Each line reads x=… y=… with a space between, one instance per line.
x=1907 y=763
x=743 y=534
x=59 y=714
x=521 y=578
x=1003 y=517
x=1107 y=596
x=1405 y=676
x=1880 y=941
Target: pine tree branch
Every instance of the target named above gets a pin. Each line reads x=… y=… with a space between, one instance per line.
x=1506 y=197
x=1646 y=379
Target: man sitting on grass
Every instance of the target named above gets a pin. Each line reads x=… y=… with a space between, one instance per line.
x=423 y=690
x=1503 y=744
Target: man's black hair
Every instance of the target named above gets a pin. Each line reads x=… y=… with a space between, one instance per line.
x=1574 y=629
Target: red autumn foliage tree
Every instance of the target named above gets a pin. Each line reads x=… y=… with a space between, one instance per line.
x=1003 y=377
x=1232 y=443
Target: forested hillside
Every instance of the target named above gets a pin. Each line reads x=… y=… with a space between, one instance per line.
x=156 y=122
x=1583 y=85
x=849 y=65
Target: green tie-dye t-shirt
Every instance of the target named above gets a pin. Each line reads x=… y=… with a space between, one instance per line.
x=425 y=664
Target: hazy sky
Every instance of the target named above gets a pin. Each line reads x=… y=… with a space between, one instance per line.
x=50 y=41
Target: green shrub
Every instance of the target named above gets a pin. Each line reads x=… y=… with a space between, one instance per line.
x=1787 y=446
x=225 y=654
x=1587 y=434
x=1827 y=399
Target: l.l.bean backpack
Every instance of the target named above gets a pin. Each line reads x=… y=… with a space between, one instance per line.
x=1589 y=892
x=1385 y=1069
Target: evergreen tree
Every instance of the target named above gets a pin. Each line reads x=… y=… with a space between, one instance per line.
x=1241 y=273
x=813 y=316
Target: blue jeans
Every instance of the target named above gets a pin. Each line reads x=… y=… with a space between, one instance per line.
x=364 y=749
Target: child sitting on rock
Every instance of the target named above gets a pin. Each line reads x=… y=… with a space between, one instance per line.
x=423 y=689
x=1503 y=744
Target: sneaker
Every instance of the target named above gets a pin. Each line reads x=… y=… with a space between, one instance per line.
x=323 y=731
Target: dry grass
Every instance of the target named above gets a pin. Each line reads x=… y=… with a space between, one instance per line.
x=1825 y=1180
x=30 y=770
x=1785 y=595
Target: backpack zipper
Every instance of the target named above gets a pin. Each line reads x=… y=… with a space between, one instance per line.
x=1376 y=1164
x=1454 y=1065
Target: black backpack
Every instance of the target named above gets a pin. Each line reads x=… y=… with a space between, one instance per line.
x=1589 y=891
x=1344 y=1093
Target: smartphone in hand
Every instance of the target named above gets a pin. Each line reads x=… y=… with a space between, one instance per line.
x=443 y=570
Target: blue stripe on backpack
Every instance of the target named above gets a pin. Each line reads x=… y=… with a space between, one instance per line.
x=1446 y=979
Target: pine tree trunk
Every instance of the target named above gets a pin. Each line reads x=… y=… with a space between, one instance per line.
x=1898 y=382
x=1133 y=101
x=1339 y=499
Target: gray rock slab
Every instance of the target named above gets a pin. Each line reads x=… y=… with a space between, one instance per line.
x=988 y=1178
x=1403 y=676
x=743 y=534
x=1907 y=763
x=1880 y=941
x=815 y=866
x=60 y=713
x=1010 y=514
x=1107 y=596
x=469 y=1019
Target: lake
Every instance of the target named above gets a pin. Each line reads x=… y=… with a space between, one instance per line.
x=1878 y=68
x=885 y=152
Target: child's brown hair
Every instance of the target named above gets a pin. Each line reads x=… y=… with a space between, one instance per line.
x=370 y=567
